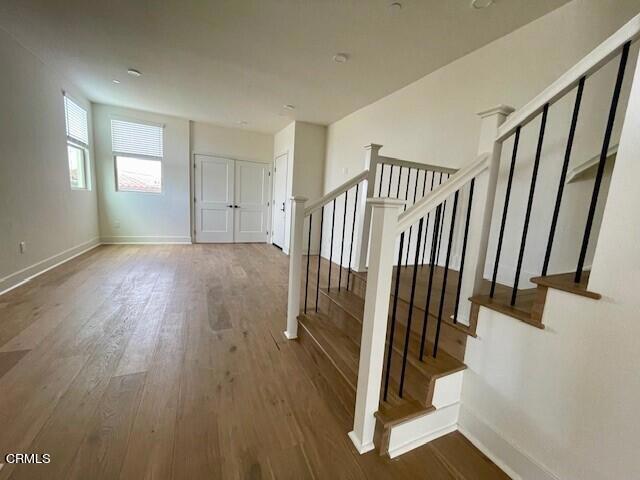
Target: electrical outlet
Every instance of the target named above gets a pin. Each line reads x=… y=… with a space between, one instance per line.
x=23 y=247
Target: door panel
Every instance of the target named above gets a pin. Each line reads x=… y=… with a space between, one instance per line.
x=279 y=200
x=214 y=182
x=252 y=199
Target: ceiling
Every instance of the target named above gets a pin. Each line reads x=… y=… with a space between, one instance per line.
x=228 y=61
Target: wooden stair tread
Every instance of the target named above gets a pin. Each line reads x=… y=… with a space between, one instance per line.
x=502 y=305
x=342 y=351
x=564 y=282
x=530 y=302
x=422 y=280
x=443 y=364
x=390 y=415
x=432 y=368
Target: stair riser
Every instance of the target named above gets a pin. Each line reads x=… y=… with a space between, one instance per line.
x=406 y=436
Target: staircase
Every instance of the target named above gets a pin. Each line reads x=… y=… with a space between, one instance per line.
x=390 y=271
x=431 y=387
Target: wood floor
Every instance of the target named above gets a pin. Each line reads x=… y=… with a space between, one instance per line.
x=169 y=362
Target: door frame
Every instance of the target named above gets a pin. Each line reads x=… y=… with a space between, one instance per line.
x=192 y=189
x=286 y=152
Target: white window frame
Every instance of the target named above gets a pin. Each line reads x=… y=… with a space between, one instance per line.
x=137 y=156
x=84 y=148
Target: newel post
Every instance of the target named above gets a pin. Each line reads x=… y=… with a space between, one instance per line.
x=482 y=210
x=384 y=219
x=295 y=265
x=364 y=209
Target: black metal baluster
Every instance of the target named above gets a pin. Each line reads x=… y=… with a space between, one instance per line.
x=333 y=221
x=425 y=321
x=424 y=190
x=603 y=160
x=424 y=246
x=464 y=250
x=446 y=274
x=563 y=175
x=440 y=218
x=407 y=336
x=319 y=257
x=381 y=175
x=527 y=216
x=415 y=195
x=390 y=178
x=406 y=262
x=399 y=180
x=504 y=211
x=353 y=229
x=306 y=286
x=444 y=213
x=344 y=223
x=393 y=320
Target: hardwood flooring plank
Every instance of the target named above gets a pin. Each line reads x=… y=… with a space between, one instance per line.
x=168 y=362
x=105 y=443
x=9 y=359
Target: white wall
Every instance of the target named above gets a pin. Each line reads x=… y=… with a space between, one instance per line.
x=434 y=121
x=144 y=217
x=234 y=143
x=37 y=204
x=304 y=143
x=140 y=217
x=283 y=144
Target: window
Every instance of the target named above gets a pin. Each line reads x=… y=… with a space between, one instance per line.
x=137 y=150
x=77 y=144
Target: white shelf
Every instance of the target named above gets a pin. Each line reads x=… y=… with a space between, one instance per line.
x=588 y=168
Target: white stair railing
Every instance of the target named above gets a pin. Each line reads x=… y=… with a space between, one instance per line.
x=387 y=222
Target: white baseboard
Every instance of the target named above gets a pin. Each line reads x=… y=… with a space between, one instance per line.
x=509 y=457
x=22 y=276
x=146 y=240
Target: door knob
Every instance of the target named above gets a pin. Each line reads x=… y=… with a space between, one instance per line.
x=236 y=206
x=229 y=206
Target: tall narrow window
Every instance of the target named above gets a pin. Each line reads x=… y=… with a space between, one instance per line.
x=77 y=144
x=137 y=151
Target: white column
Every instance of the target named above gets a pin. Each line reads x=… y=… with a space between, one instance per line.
x=364 y=209
x=384 y=218
x=295 y=265
x=482 y=209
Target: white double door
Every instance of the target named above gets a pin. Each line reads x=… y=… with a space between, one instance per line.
x=231 y=200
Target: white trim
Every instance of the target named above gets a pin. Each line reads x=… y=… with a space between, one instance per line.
x=440 y=193
x=336 y=192
x=367 y=447
x=505 y=454
x=26 y=274
x=431 y=426
x=147 y=240
x=417 y=165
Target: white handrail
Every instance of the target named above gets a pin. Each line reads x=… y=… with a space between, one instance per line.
x=335 y=193
x=418 y=165
x=590 y=64
x=442 y=192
